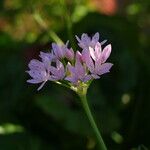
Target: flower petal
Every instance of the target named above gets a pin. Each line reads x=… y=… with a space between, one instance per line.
x=71 y=79
x=36 y=65
x=80 y=71
x=105 y=53
x=88 y=60
x=85 y=38
x=33 y=81
x=87 y=78
x=69 y=54
x=41 y=85
x=98 y=50
x=95 y=76
x=104 y=68
x=77 y=38
x=95 y=37
x=103 y=42
x=92 y=53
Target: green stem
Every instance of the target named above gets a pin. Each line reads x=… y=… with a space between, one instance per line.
x=69 y=23
x=102 y=145
x=44 y=27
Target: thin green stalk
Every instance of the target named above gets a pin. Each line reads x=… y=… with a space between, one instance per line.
x=87 y=110
x=44 y=27
x=69 y=23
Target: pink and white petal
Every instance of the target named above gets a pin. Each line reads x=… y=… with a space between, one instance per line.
x=78 y=56
x=98 y=50
x=105 y=53
x=92 y=53
x=104 y=68
x=69 y=54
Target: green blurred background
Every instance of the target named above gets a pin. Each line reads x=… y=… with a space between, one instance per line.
x=52 y=119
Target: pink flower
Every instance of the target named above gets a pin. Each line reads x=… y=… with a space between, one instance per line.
x=58 y=72
x=39 y=72
x=69 y=54
x=78 y=72
x=95 y=60
x=85 y=42
x=43 y=71
x=62 y=63
x=59 y=50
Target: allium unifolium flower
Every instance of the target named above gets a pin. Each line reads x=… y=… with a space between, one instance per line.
x=85 y=42
x=63 y=65
x=78 y=72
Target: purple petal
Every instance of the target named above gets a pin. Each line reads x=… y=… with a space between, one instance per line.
x=80 y=71
x=105 y=68
x=95 y=76
x=33 y=81
x=61 y=70
x=97 y=65
x=58 y=50
x=53 y=70
x=71 y=68
x=87 y=59
x=48 y=56
x=57 y=72
x=58 y=64
x=37 y=74
x=69 y=54
x=85 y=38
x=71 y=79
x=36 y=64
x=105 y=53
x=95 y=37
x=87 y=78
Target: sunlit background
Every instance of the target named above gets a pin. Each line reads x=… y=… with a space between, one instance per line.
x=52 y=119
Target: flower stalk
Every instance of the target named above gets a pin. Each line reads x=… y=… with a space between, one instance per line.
x=87 y=110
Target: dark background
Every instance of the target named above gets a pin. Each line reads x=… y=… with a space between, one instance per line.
x=52 y=119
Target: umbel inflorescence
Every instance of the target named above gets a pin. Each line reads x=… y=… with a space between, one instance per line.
x=71 y=68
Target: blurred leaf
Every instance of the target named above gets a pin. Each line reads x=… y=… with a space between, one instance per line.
x=70 y=119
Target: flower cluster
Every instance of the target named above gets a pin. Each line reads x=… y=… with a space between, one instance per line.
x=63 y=65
